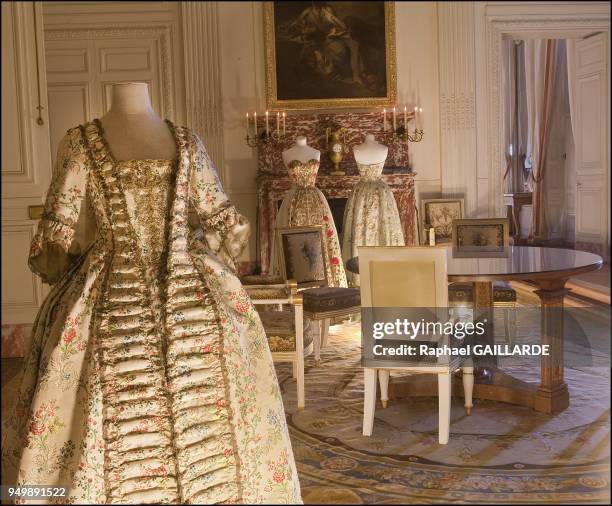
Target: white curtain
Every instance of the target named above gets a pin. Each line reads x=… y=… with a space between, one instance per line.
x=570 y=46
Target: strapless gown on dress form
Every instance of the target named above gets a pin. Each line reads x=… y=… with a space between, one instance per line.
x=371 y=217
x=306 y=206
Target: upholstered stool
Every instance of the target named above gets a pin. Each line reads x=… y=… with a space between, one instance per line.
x=280 y=330
x=326 y=302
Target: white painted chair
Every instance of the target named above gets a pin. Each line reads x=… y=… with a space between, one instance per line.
x=412 y=277
x=288 y=338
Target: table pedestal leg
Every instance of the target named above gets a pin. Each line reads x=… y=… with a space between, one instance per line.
x=483 y=311
x=552 y=394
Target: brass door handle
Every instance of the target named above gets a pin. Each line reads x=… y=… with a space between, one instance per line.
x=36 y=212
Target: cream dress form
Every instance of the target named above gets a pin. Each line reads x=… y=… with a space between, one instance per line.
x=149 y=378
x=371 y=217
x=305 y=205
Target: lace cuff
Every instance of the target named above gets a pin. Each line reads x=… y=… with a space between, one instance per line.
x=51 y=250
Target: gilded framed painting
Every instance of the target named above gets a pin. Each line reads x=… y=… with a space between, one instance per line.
x=488 y=237
x=439 y=214
x=329 y=55
x=301 y=253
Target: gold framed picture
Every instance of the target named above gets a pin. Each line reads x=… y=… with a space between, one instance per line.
x=327 y=55
x=301 y=251
x=481 y=237
x=439 y=214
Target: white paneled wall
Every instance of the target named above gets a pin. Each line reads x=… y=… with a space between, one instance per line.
x=26 y=160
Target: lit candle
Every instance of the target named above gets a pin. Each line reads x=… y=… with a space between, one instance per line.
x=420 y=117
x=416 y=111
x=384 y=120
x=278 y=124
x=284 y=125
x=394 y=120
x=247 y=118
x=267 y=125
x=405 y=119
x=255 y=120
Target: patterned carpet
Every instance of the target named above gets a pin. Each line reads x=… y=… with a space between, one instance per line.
x=500 y=454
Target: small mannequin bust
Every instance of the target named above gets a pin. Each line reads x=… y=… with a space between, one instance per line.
x=370 y=152
x=132 y=129
x=300 y=151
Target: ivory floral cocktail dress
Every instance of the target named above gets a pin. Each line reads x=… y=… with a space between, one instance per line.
x=371 y=217
x=149 y=378
x=306 y=206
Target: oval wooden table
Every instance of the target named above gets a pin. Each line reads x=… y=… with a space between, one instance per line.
x=549 y=268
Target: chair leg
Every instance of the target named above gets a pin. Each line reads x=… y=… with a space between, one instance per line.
x=468 y=387
x=324 y=332
x=506 y=325
x=317 y=345
x=383 y=379
x=369 y=400
x=512 y=318
x=444 y=404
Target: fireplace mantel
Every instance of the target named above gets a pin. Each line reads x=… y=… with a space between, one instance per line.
x=272 y=189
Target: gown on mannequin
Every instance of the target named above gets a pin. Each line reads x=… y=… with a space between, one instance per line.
x=149 y=378
x=304 y=206
x=371 y=217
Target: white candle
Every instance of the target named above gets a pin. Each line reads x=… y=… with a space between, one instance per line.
x=384 y=120
x=255 y=120
x=278 y=124
x=421 y=117
x=416 y=111
x=405 y=119
x=394 y=120
x=267 y=125
x=247 y=126
x=284 y=124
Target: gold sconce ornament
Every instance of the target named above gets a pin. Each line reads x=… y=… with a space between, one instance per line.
x=336 y=148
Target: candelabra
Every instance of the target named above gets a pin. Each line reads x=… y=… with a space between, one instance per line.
x=254 y=141
x=402 y=135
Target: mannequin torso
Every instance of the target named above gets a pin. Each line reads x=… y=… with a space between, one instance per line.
x=300 y=151
x=132 y=129
x=370 y=152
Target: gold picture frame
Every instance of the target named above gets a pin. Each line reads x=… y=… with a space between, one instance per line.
x=484 y=237
x=300 y=237
x=270 y=47
x=449 y=208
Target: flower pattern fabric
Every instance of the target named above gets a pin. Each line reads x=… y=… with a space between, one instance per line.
x=149 y=378
x=371 y=217
x=306 y=206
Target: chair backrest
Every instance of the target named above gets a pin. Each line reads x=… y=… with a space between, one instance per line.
x=487 y=235
x=398 y=276
x=302 y=255
x=439 y=213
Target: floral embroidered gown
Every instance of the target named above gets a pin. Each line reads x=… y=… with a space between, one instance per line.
x=371 y=217
x=149 y=378
x=305 y=206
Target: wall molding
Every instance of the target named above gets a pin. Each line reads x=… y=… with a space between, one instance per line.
x=203 y=77
x=457 y=74
x=161 y=32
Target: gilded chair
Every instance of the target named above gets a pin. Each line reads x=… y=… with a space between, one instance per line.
x=290 y=338
x=487 y=237
x=301 y=254
x=410 y=277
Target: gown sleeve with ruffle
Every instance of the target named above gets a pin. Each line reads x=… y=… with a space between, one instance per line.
x=225 y=230
x=54 y=246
